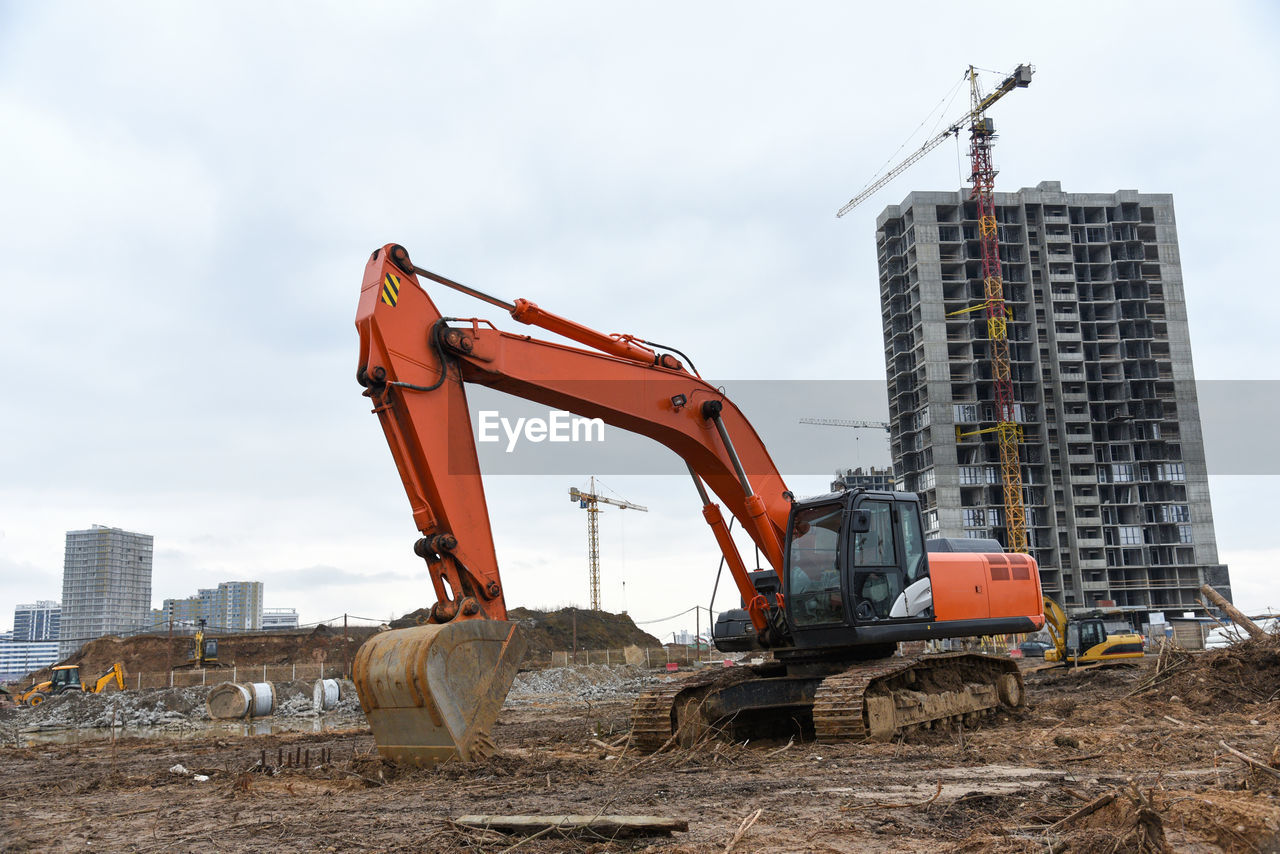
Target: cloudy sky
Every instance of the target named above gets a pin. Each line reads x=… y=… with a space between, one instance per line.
x=190 y=193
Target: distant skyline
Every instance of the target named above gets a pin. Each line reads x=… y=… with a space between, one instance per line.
x=192 y=191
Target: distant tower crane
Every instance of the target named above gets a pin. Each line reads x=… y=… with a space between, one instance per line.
x=845 y=422
x=981 y=136
x=590 y=502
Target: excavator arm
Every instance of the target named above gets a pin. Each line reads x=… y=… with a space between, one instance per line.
x=115 y=674
x=414 y=365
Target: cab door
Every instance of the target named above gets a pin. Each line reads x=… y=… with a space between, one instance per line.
x=875 y=571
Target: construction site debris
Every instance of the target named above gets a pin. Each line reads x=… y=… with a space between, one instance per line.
x=164 y=708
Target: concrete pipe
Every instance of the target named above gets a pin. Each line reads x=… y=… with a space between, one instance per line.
x=228 y=701
x=264 y=699
x=327 y=694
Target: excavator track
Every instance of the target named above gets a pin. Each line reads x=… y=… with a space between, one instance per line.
x=872 y=701
x=653 y=715
x=880 y=700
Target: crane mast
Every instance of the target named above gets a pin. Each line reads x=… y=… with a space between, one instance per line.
x=1008 y=431
x=981 y=135
x=591 y=501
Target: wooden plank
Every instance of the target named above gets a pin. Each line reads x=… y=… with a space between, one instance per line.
x=603 y=825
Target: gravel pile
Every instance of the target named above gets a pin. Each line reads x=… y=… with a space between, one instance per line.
x=585 y=682
x=166 y=707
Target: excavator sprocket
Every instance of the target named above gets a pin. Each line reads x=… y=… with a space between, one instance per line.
x=432 y=693
x=879 y=700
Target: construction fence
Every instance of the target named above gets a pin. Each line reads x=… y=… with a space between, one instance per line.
x=652 y=658
x=254 y=673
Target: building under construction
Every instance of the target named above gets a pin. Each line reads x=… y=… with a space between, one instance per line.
x=1115 y=490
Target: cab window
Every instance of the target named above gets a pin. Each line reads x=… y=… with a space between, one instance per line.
x=813 y=580
x=875 y=547
x=914 y=567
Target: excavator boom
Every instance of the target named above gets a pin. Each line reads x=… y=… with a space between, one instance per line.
x=438 y=689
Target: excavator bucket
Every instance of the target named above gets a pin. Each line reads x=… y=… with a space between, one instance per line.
x=433 y=692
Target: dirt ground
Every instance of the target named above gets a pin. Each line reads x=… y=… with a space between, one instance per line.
x=1021 y=782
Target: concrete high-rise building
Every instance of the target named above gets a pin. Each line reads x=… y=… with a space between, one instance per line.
x=106 y=585
x=1114 y=479
x=232 y=606
x=37 y=622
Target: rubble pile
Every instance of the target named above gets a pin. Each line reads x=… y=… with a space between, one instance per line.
x=163 y=708
x=584 y=682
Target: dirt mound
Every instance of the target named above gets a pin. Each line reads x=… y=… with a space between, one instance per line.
x=1221 y=679
x=156 y=653
x=555 y=630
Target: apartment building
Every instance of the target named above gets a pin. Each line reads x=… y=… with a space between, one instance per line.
x=39 y=622
x=106 y=585
x=232 y=606
x=1112 y=458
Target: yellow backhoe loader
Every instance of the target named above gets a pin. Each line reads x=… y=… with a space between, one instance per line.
x=66 y=679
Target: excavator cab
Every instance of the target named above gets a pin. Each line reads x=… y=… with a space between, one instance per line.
x=65 y=678
x=855 y=560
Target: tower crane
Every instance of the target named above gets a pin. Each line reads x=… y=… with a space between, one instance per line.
x=981 y=136
x=845 y=422
x=591 y=501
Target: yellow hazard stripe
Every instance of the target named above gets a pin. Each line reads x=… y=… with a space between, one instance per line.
x=390 y=289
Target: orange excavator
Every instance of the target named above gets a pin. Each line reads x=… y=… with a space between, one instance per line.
x=849 y=575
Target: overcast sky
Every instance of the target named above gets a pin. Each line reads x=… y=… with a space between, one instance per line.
x=190 y=192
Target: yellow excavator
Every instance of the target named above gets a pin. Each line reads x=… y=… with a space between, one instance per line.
x=1085 y=640
x=66 y=679
x=203 y=653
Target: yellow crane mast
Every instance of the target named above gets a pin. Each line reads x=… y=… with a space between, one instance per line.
x=981 y=136
x=591 y=501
